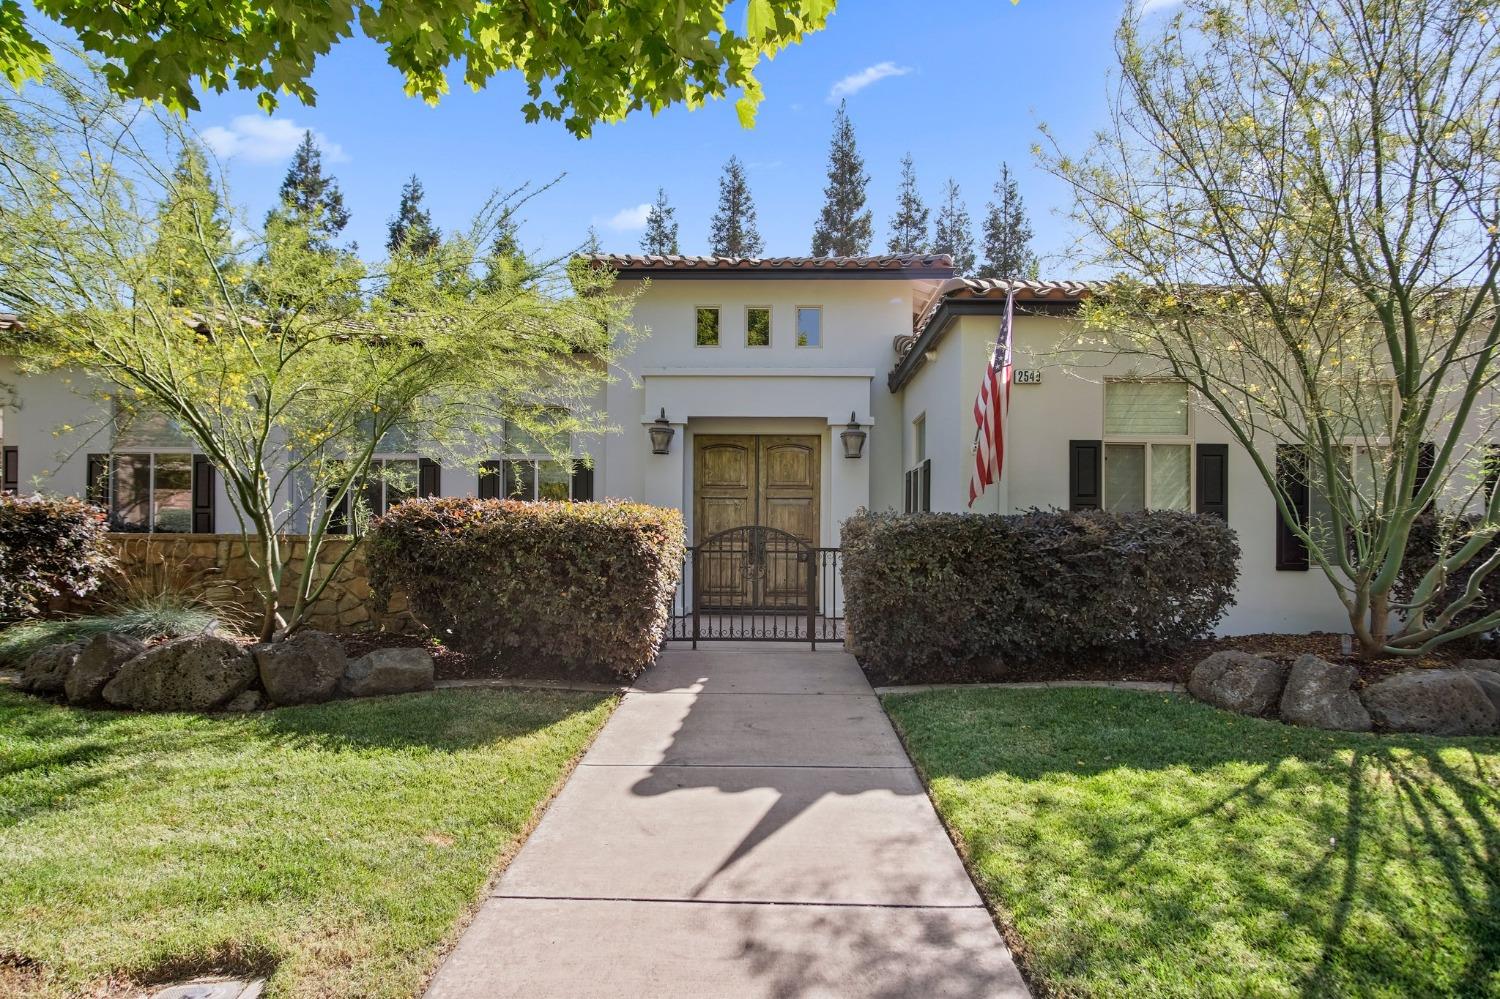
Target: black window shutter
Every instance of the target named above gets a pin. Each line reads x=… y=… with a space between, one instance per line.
x=338 y=520
x=927 y=486
x=10 y=473
x=96 y=488
x=907 y=506
x=489 y=480
x=1491 y=470
x=1213 y=479
x=429 y=478
x=1291 y=473
x=1426 y=458
x=1085 y=465
x=203 y=495
x=583 y=483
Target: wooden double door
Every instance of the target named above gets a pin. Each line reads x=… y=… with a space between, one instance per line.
x=762 y=481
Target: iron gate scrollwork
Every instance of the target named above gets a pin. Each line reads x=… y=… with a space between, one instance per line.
x=758 y=584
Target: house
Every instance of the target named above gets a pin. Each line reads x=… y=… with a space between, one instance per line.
x=789 y=392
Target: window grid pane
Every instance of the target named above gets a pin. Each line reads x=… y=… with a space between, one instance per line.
x=1124 y=477
x=172 y=493
x=708 y=327
x=809 y=327
x=1154 y=409
x=758 y=327
x=1171 y=474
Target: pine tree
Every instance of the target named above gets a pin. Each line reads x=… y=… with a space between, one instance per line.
x=661 y=227
x=909 y=224
x=732 y=231
x=1007 y=233
x=412 y=231
x=506 y=264
x=843 y=229
x=312 y=198
x=592 y=246
x=953 y=232
x=193 y=247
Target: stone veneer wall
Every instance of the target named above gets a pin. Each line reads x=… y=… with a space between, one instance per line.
x=346 y=605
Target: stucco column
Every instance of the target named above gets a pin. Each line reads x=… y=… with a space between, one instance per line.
x=848 y=480
x=666 y=478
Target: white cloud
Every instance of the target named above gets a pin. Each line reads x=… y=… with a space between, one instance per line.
x=855 y=82
x=1152 y=6
x=627 y=219
x=259 y=139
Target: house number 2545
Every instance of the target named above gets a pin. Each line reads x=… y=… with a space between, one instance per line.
x=1028 y=376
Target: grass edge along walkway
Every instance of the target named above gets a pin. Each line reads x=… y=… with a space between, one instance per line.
x=338 y=847
x=1148 y=845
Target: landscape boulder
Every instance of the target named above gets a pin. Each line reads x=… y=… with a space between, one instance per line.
x=98 y=663
x=198 y=673
x=1433 y=701
x=389 y=671
x=304 y=669
x=1320 y=694
x=47 y=670
x=250 y=700
x=1238 y=681
x=1486 y=673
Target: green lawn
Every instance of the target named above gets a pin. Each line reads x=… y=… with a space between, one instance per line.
x=332 y=846
x=1145 y=845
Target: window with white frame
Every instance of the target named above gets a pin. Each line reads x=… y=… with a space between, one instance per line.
x=391 y=479
x=919 y=474
x=528 y=471
x=758 y=326
x=809 y=326
x=707 y=326
x=1148 y=446
x=146 y=481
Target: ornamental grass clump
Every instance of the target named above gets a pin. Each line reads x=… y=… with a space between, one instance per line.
x=933 y=596
x=578 y=589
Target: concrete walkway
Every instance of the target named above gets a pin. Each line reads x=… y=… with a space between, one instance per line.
x=747 y=824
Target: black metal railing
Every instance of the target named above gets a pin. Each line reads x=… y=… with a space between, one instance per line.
x=757 y=584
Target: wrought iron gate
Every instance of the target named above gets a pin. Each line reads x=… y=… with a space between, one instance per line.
x=758 y=584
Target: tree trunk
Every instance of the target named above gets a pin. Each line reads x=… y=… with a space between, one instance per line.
x=1373 y=638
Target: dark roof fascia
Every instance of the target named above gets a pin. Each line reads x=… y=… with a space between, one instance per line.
x=783 y=273
x=951 y=309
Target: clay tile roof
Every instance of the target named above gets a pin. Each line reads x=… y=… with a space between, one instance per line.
x=641 y=265
x=9 y=321
x=1026 y=292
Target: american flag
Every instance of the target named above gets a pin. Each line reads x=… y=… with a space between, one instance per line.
x=991 y=408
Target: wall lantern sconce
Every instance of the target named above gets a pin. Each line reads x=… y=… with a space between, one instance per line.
x=661 y=434
x=853 y=438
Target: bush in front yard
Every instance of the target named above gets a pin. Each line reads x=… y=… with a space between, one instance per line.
x=933 y=596
x=579 y=588
x=48 y=548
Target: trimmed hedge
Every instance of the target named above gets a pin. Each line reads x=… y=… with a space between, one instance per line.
x=48 y=548
x=936 y=596
x=578 y=588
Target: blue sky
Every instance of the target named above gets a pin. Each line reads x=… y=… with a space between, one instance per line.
x=961 y=85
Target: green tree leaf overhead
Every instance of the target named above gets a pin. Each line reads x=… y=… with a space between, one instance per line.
x=843 y=228
x=583 y=63
x=732 y=231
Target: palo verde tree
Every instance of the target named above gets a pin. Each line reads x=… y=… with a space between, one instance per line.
x=290 y=368
x=583 y=63
x=1299 y=203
